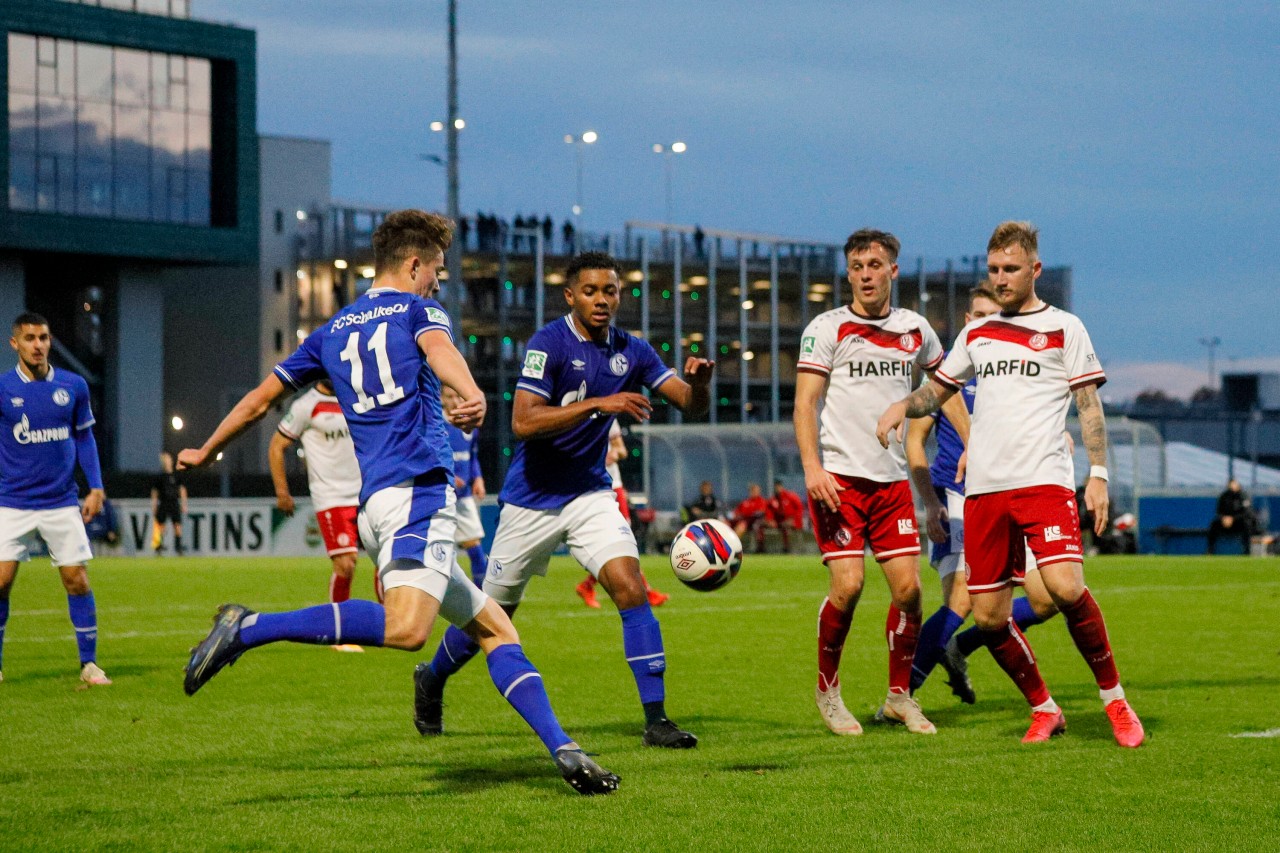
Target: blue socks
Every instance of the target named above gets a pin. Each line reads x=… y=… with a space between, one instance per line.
x=455 y=650
x=84 y=617
x=642 y=643
x=934 y=635
x=521 y=685
x=354 y=621
x=479 y=563
x=1024 y=616
x=4 y=620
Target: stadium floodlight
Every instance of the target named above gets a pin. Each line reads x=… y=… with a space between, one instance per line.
x=667 y=151
x=589 y=137
x=437 y=126
x=176 y=423
x=302 y=215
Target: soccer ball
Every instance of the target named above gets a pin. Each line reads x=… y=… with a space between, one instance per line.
x=706 y=555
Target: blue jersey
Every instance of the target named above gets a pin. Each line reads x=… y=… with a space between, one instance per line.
x=943 y=470
x=563 y=366
x=389 y=395
x=466 y=457
x=42 y=419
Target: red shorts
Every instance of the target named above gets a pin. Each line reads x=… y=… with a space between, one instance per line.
x=879 y=515
x=998 y=528
x=339 y=529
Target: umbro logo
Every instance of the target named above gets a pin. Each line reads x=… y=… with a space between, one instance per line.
x=16 y=401
x=578 y=364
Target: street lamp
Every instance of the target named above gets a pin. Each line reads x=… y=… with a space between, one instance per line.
x=579 y=142
x=667 y=151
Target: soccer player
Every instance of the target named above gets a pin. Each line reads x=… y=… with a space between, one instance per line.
x=617 y=451
x=333 y=478
x=941 y=490
x=579 y=374
x=468 y=484
x=46 y=429
x=168 y=505
x=386 y=356
x=752 y=514
x=1031 y=361
x=853 y=361
x=786 y=512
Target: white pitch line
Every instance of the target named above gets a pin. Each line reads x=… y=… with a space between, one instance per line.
x=111 y=637
x=1267 y=733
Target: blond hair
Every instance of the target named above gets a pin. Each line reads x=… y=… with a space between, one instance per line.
x=1015 y=233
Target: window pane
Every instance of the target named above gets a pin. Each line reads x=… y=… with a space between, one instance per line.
x=177 y=210
x=65 y=181
x=132 y=193
x=153 y=7
x=93 y=72
x=22 y=63
x=67 y=68
x=57 y=126
x=169 y=133
x=22 y=181
x=93 y=187
x=133 y=76
x=22 y=122
x=132 y=134
x=198 y=144
x=46 y=183
x=198 y=85
x=93 y=131
x=159 y=80
x=197 y=197
x=46 y=50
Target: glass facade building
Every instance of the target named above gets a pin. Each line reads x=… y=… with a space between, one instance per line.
x=100 y=130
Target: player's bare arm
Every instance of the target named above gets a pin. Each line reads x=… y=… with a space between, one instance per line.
x=925 y=400
x=691 y=395
x=448 y=364
x=478 y=491
x=958 y=415
x=533 y=416
x=251 y=409
x=918 y=465
x=93 y=504
x=818 y=482
x=275 y=461
x=1093 y=432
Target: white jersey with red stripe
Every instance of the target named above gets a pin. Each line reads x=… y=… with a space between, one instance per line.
x=1027 y=367
x=333 y=474
x=868 y=364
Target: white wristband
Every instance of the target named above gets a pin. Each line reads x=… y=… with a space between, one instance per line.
x=1099 y=472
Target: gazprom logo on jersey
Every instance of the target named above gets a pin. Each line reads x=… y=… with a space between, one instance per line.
x=618 y=364
x=24 y=434
x=362 y=317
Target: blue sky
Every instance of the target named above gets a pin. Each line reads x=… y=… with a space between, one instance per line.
x=1140 y=137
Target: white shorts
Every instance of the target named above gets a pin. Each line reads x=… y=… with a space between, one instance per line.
x=591 y=525
x=414 y=521
x=468 y=521
x=948 y=558
x=62 y=530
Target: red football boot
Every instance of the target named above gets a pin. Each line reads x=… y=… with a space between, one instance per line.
x=1044 y=725
x=1125 y=724
x=587 y=592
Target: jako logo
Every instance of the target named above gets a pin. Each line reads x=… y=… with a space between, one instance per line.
x=1053 y=533
x=363 y=317
x=24 y=434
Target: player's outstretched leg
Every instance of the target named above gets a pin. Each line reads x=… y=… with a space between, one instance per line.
x=1089 y=631
x=236 y=629
x=642 y=644
x=455 y=649
x=935 y=633
x=1013 y=653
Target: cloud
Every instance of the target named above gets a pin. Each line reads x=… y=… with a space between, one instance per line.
x=1126 y=381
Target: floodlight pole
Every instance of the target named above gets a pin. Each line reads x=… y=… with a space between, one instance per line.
x=453 y=262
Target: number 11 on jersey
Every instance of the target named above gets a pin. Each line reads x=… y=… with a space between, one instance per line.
x=378 y=346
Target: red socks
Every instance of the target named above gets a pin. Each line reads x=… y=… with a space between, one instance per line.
x=339 y=588
x=902 y=629
x=1084 y=621
x=833 y=627
x=1014 y=655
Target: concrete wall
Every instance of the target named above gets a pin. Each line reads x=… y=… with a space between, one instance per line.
x=13 y=290
x=135 y=392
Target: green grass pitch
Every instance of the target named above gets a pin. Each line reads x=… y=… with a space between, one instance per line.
x=303 y=748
